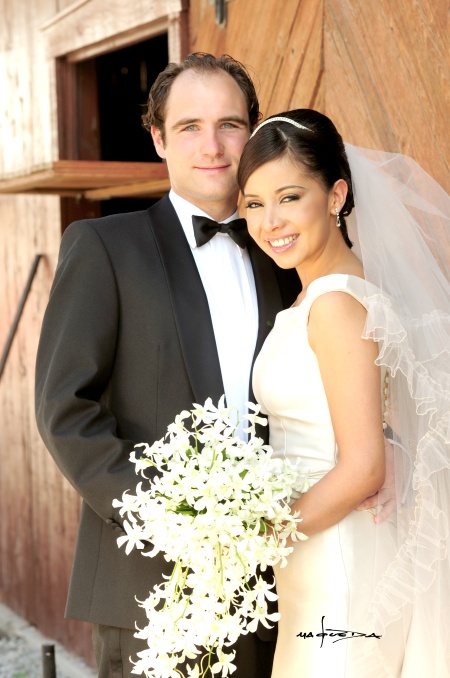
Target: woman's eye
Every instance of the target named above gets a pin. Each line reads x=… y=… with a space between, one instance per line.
x=252 y=204
x=290 y=198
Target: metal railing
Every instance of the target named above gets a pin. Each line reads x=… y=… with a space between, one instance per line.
x=15 y=324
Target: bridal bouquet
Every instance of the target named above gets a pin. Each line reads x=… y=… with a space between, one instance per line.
x=219 y=509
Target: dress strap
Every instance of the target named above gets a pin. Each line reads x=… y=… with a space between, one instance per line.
x=358 y=288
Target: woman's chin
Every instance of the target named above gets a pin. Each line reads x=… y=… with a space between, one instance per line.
x=282 y=263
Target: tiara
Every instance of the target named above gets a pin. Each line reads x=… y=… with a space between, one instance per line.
x=279 y=119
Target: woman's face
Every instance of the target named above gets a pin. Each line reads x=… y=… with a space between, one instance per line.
x=289 y=214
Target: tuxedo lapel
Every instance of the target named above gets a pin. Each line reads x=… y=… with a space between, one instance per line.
x=268 y=292
x=269 y=304
x=189 y=303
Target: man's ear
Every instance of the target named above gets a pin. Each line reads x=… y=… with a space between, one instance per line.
x=158 y=141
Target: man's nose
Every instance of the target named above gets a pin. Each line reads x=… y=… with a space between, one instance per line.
x=211 y=143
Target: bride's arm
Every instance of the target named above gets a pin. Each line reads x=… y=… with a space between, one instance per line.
x=352 y=386
x=386 y=497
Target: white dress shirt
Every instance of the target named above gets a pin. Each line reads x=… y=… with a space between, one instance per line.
x=227 y=277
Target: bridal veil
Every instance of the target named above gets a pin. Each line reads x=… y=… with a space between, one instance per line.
x=399 y=226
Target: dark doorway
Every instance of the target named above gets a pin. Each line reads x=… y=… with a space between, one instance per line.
x=100 y=104
x=124 y=79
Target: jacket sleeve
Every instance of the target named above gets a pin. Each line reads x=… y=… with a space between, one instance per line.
x=75 y=359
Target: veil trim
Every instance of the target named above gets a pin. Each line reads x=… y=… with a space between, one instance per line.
x=399 y=215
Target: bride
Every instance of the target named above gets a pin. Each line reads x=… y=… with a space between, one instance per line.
x=354 y=379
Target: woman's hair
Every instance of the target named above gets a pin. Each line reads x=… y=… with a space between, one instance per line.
x=319 y=149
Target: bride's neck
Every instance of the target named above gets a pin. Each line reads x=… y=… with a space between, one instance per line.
x=347 y=263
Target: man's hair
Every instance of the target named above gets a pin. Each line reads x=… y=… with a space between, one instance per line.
x=202 y=63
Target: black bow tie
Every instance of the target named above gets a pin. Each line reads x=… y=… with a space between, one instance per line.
x=205 y=229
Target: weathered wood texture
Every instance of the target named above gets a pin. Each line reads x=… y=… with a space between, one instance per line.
x=27 y=137
x=80 y=175
x=380 y=70
x=279 y=42
x=40 y=510
x=106 y=24
x=387 y=85
x=87 y=28
x=387 y=69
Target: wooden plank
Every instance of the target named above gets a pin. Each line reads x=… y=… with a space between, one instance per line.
x=86 y=24
x=80 y=175
x=144 y=189
x=16 y=128
x=270 y=43
x=256 y=51
x=388 y=81
x=120 y=40
x=178 y=33
x=302 y=65
x=402 y=108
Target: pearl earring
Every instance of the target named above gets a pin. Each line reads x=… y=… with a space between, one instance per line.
x=338 y=219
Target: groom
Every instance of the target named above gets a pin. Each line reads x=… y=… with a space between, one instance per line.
x=145 y=317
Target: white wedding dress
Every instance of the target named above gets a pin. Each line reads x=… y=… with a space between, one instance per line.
x=329 y=580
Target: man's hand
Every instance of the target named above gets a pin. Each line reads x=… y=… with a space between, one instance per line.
x=386 y=497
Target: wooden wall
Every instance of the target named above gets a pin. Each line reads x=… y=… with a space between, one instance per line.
x=281 y=45
x=26 y=135
x=380 y=70
x=388 y=77
x=39 y=508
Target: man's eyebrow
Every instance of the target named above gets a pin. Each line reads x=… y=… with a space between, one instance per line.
x=235 y=118
x=184 y=122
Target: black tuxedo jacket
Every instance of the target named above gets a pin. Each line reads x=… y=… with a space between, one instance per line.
x=127 y=343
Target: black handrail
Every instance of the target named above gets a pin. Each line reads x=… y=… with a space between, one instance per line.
x=19 y=312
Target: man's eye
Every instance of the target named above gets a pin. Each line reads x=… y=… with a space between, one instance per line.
x=228 y=125
x=190 y=128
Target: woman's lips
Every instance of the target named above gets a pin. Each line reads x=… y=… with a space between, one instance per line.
x=282 y=244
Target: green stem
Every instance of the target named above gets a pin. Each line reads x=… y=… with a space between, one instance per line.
x=220 y=563
x=178 y=589
x=241 y=561
x=202 y=661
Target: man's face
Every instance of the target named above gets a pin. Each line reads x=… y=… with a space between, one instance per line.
x=206 y=128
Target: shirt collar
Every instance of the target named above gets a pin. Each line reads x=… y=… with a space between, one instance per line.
x=185 y=211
